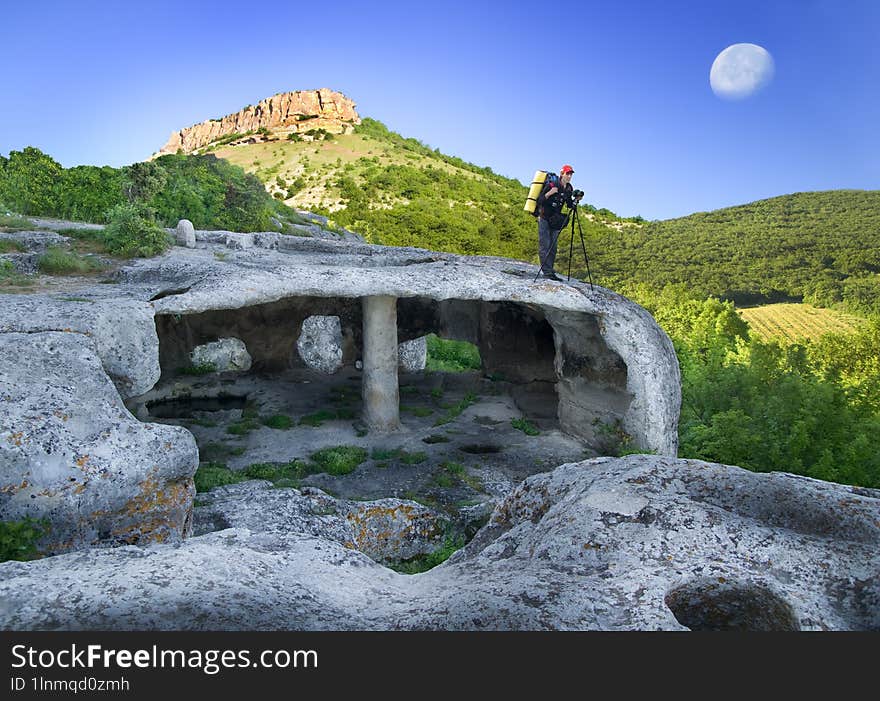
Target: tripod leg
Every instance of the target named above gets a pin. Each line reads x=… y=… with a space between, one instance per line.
x=584 y=249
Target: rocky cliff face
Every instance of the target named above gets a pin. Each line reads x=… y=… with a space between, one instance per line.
x=282 y=114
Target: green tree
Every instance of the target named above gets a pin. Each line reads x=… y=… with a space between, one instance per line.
x=142 y=181
x=30 y=182
x=88 y=192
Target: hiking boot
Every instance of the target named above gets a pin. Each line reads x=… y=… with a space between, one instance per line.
x=553 y=276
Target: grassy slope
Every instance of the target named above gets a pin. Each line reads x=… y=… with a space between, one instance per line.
x=320 y=162
x=410 y=195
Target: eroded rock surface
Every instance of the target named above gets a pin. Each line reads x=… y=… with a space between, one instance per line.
x=224 y=355
x=386 y=530
x=635 y=543
x=71 y=453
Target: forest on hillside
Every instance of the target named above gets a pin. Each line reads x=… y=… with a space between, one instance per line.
x=810 y=408
x=819 y=247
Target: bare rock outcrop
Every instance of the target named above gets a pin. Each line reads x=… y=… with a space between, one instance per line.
x=284 y=113
x=70 y=452
x=635 y=543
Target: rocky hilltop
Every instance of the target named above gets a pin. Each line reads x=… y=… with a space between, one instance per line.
x=282 y=114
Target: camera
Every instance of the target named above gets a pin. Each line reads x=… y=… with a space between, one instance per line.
x=577 y=194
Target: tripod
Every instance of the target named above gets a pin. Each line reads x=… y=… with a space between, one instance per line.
x=574 y=218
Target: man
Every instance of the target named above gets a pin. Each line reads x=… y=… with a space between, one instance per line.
x=555 y=193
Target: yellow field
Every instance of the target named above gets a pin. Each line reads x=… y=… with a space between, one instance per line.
x=796 y=322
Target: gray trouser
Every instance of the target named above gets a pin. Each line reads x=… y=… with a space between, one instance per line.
x=547 y=241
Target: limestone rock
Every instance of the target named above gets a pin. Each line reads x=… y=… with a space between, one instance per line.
x=185 y=234
x=22 y=263
x=320 y=343
x=71 y=453
x=386 y=530
x=285 y=113
x=123 y=331
x=411 y=355
x=225 y=354
x=239 y=242
x=636 y=543
x=36 y=241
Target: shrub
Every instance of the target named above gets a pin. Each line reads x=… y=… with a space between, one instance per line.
x=130 y=232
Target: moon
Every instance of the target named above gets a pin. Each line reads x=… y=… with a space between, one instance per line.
x=740 y=71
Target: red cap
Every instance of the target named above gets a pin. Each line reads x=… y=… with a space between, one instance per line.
x=566 y=169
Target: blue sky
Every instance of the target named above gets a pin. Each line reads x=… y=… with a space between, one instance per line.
x=620 y=90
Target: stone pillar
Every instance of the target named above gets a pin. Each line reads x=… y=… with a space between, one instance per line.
x=380 y=389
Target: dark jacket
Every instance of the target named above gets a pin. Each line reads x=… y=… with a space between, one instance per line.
x=550 y=208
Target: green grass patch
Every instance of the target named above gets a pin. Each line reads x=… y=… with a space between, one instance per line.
x=453 y=468
x=525 y=426
x=385 y=453
x=455 y=410
x=276 y=472
x=15 y=223
x=451 y=356
x=215 y=474
x=473 y=482
x=281 y=474
x=59 y=261
x=279 y=421
x=11 y=278
x=423 y=563
x=339 y=460
x=412 y=458
x=243 y=427
x=12 y=246
x=18 y=539
x=449 y=474
x=197 y=370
